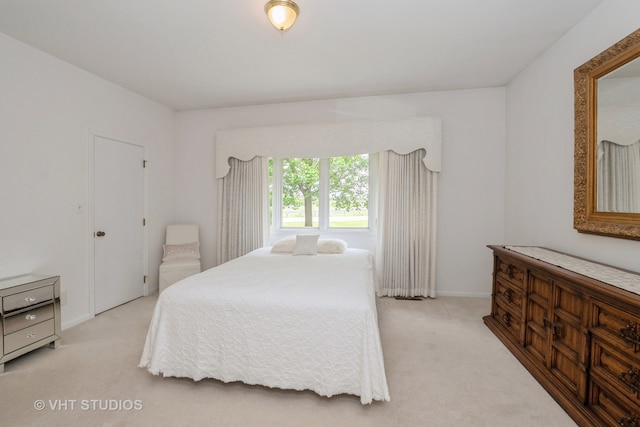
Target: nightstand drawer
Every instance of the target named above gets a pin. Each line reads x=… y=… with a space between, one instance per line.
x=27 y=336
x=27 y=298
x=25 y=319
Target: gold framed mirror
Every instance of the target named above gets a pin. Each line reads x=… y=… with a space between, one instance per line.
x=607 y=142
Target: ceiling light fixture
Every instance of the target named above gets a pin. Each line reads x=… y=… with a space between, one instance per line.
x=282 y=13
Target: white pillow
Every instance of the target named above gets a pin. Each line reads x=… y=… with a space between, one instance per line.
x=187 y=250
x=331 y=246
x=284 y=246
x=306 y=244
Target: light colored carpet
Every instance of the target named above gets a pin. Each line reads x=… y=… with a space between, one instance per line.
x=444 y=368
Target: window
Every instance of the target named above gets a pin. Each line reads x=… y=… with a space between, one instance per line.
x=321 y=193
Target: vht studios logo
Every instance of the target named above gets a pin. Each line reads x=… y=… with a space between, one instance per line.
x=88 y=405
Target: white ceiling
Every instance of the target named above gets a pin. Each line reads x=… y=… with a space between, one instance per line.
x=190 y=54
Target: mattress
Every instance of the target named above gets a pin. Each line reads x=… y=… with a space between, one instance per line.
x=278 y=320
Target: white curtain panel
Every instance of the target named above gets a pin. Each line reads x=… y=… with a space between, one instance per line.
x=406 y=258
x=618 y=177
x=242 y=208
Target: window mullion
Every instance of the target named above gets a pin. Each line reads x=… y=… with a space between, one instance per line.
x=276 y=197
x=323 y=197
x=373 y=191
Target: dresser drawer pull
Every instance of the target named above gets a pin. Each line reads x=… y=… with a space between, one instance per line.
x=509 y=271
x=508 y=296
x=30 y=299
x=629 y=334
x=556 y=328
x=31 y=335
x=630 y=421
x=506 y=318
x=631 y=379
x=30 y=316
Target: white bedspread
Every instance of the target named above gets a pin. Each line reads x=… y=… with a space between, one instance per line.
x=291 y=322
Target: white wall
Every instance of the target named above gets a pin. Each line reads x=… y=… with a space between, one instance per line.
x=540 y=120
x=47 y=109
x=471 y=190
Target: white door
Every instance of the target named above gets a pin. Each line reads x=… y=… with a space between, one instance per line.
x=118 y=212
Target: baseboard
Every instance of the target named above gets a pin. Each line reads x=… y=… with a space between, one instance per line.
x=464 y=294
x=67 y=325
x=149 y=290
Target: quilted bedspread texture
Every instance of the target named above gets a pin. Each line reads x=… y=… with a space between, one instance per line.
x=290 y=322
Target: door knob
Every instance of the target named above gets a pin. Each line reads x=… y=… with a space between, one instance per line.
x=100 y=233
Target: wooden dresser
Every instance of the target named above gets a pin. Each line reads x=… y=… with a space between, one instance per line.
x=29 y=315
x=575 y=325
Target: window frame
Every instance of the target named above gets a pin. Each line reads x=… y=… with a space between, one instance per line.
x=324 y=207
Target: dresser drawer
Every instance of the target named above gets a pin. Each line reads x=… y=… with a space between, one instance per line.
x=510 y=320
x=27 y=298
x=28 y=336
x=19 y=321
x=507 y=269
x=508 y=295
x=613 y=410
x=616 y=369
x=619 y=327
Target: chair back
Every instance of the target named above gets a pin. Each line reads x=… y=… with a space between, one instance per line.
x=178 y=234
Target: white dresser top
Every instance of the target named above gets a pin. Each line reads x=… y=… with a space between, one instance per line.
x=606 y=274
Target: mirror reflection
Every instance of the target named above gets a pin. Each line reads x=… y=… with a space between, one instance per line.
x=618 y=139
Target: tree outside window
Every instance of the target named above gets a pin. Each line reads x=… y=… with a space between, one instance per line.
x=345 y=190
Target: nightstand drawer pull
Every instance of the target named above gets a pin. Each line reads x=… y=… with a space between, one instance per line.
x=30 y=316
x=30 y=299
x=32 y=335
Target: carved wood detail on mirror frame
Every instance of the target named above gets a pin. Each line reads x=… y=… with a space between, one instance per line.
x=588 y=216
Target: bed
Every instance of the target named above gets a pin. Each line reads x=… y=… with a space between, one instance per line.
x=283 y=321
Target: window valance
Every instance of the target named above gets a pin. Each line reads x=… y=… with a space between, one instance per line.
x=330 y=140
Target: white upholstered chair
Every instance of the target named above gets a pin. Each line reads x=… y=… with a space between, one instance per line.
x=181 y=254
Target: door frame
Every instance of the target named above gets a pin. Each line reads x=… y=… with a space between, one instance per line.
x=93 y=134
